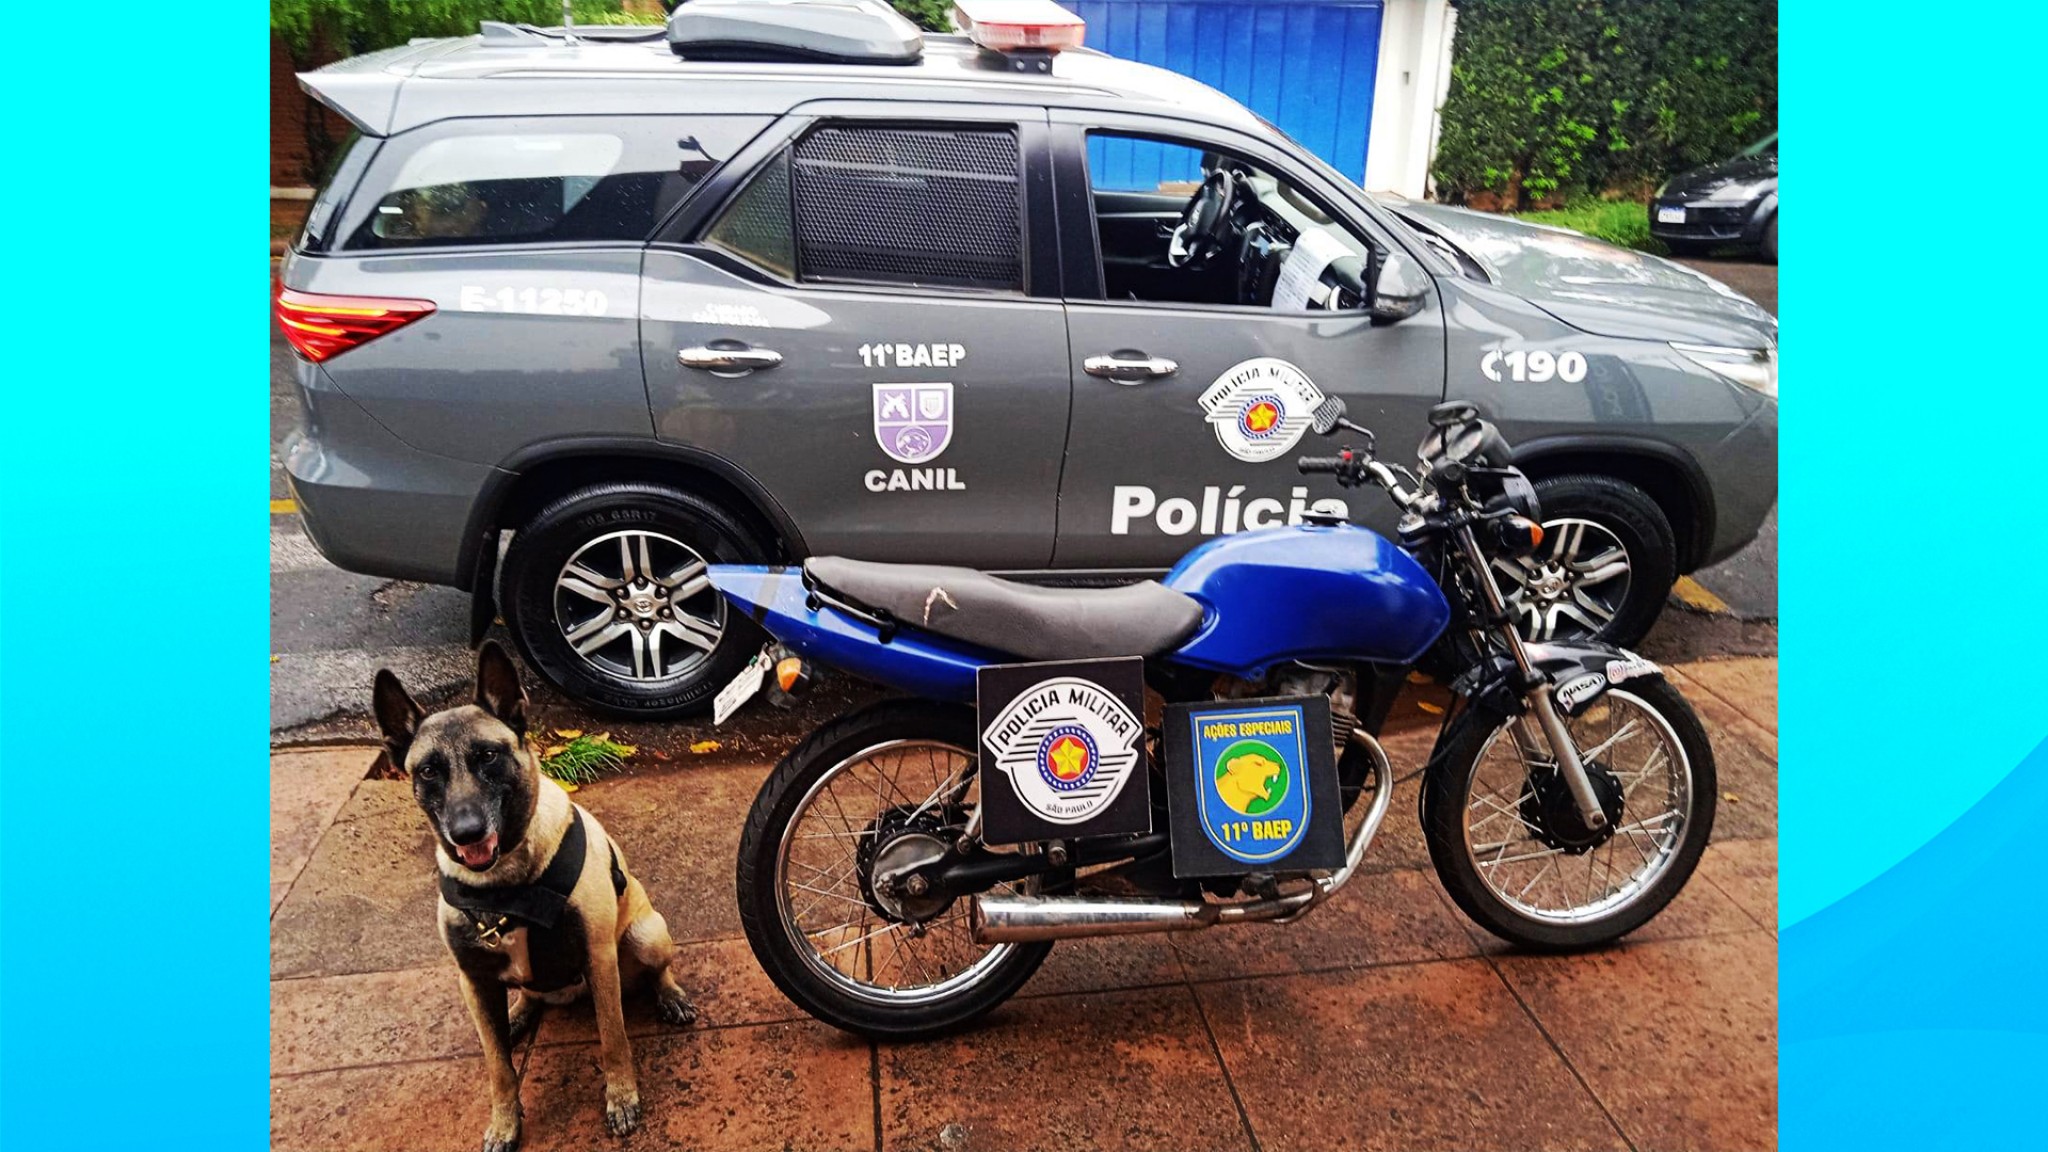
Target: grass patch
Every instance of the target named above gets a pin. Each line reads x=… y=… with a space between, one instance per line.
x=1622 y=222
x=584 y=758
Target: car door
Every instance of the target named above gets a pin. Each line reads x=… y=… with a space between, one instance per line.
x=1189 y=411
x=858 y=323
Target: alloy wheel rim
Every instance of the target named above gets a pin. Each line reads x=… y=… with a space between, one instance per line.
x=1629 y=738
x=1572 y=586
x=639 y=606
x=839 y=935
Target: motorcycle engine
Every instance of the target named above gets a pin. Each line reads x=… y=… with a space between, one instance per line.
x=1339 y=684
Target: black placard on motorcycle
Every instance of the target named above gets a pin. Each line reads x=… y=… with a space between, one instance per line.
x=1251 y=786
x=1063 y=750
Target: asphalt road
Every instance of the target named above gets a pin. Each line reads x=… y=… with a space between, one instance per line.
x=331 y=630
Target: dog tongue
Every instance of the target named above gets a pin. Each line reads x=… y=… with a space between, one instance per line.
x=478 y=854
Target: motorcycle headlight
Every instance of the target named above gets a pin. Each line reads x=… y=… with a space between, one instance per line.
x=1754 y=368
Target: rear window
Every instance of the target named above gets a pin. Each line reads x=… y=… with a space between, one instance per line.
x=527 y=181
x=342 y=171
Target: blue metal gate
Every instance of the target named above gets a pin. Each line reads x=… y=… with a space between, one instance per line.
x=1306 y=65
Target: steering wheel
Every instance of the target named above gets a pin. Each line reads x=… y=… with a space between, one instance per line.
x=1203 y=223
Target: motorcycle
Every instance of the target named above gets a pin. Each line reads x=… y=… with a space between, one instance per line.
x=1567 y=800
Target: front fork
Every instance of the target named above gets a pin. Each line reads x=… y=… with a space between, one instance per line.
x=1549 y=725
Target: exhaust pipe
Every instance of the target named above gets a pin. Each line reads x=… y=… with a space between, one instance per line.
x=1024 y=919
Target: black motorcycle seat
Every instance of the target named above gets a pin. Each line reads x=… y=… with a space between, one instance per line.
x=1021 y=619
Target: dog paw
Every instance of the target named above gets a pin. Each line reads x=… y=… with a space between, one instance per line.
x=622 y=1113
x=675 y=1009
x=498 y=1139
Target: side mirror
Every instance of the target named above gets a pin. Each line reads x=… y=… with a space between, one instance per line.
x=1399 y=289
x=1327 y=415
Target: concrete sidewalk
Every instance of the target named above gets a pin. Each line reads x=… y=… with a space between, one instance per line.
x=1384 y=1020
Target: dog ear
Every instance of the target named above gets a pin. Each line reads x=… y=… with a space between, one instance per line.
x=397 y=715
x=497 y=687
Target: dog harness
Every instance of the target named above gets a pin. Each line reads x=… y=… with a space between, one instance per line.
x=501 y=908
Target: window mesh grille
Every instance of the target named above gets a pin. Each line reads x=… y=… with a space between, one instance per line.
x=757 y=226
x=909 y=206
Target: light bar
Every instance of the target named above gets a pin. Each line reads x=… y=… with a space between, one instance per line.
x=1018 y=25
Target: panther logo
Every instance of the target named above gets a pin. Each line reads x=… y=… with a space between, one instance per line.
x=1251 y=779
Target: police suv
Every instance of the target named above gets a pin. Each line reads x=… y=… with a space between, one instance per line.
x=789 y=277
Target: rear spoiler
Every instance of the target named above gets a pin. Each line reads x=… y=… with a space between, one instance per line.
x=364 y=89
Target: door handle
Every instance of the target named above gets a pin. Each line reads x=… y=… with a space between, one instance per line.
x=1129 y=367
x=734 y=359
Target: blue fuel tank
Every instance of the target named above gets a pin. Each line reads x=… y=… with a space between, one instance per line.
x=1311 y=592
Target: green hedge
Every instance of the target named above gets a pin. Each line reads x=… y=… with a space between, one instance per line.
x=1550 y=99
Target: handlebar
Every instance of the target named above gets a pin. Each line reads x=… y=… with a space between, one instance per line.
x=1353 y=468
x=1334 y=464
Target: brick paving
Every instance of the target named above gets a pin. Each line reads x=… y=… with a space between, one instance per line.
x=1383 y=1021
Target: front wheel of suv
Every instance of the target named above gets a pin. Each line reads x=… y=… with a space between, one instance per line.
x=606 y=593
x=1607 y=561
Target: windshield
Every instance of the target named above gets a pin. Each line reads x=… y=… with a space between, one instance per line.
x=1768 y=146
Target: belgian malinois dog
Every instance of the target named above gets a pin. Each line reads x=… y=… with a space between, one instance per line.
x=535 y=897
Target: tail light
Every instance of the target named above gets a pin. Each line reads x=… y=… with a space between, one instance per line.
x=323 y=327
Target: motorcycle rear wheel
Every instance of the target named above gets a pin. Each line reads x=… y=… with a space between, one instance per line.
x=1514 y=857
x=898 y=769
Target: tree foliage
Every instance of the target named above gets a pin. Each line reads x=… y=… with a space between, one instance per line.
x=319 y=31
x=1553 y=98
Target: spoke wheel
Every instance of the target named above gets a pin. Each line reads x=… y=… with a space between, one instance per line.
x=1513 y=851
x=896 y=799
x=1573 y=586
x=639 y=605
x=826 y=884
x=1564 y=874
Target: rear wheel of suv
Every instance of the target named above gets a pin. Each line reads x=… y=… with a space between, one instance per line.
x=606 y=593
x=1607 y=560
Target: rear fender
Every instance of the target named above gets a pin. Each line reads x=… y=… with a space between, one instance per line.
x=775 y=598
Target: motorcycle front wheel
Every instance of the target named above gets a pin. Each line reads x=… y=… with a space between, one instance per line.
x=1515 y=855
x=889 y=783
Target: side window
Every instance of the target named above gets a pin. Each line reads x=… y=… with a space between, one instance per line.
x=758 y=226
x=918 y=207
x=523 y=181
x=1177 y=223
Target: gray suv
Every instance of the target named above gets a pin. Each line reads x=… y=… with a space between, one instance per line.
x=643 y=303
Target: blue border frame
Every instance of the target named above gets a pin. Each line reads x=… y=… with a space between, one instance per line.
x=1914 y=770
x=133 y=832
x=134 y=883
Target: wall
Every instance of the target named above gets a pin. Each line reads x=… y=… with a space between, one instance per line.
x=288 y=102
x=1414 y=77
x=1306 y=65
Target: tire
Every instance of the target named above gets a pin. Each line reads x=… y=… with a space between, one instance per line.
x=795 y=969
x=677 y=524
x=1557 y=595
x=1768 y=246
x=1446 y=795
